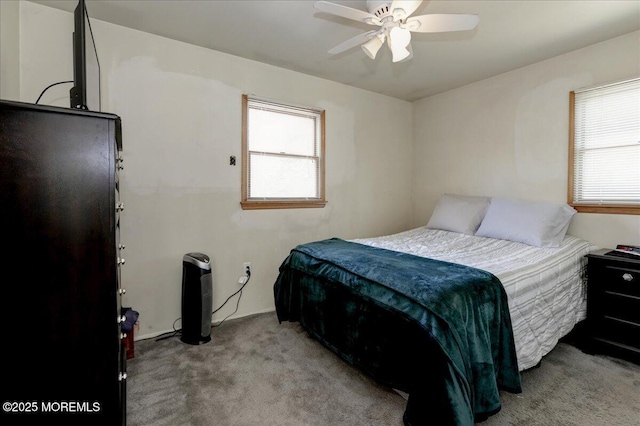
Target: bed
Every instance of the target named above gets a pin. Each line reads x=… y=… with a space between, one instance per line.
x=449 y=317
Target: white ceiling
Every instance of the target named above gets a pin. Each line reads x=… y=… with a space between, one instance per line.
x=294 y=35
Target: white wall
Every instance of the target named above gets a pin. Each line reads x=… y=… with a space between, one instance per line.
x=507 y=136
x=10 y=50
x=181 y=117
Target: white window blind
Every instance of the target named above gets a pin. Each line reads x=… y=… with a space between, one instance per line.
x=607 y=145
x=284 y=148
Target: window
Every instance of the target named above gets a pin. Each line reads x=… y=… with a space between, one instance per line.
x=604 y=148
x=282 y=155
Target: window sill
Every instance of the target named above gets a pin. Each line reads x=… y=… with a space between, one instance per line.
x=610 y=209
x=263 y=205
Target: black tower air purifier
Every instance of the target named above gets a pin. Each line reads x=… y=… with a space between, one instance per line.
x=196 y=298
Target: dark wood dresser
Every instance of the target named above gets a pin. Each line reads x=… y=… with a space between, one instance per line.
x=613 y=305
x=60 y=265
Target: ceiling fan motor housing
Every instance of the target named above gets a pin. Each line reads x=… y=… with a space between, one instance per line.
x=379 y=8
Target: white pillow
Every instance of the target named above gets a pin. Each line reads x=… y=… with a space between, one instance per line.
x=458 y=213
x=535 y=224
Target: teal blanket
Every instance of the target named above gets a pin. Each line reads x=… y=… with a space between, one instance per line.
x=439 y=330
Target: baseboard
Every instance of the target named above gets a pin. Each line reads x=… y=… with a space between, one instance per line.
x=246 y=315
x=159 y=333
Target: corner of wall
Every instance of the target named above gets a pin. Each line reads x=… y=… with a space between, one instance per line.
x=412 y=183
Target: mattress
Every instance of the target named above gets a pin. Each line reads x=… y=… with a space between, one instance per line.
x=545 y=286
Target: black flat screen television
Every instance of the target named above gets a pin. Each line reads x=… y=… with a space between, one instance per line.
x=85 y=93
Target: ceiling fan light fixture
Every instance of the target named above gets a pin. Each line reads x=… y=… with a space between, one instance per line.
x=408 y=57
x=372 y=46
x=399 y=39
x=400 y=54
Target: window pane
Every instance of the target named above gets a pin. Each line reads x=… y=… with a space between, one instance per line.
x=607 y=145
x=273 y=176
x=608 y=119
x=611 y=175
x=281 y=133
x=282 y=155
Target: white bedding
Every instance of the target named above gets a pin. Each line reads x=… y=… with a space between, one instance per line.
x=547 y=297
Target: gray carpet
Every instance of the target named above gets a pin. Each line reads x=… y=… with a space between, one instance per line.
x=258 y=372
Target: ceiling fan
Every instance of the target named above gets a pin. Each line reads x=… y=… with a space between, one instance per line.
x=396 y=25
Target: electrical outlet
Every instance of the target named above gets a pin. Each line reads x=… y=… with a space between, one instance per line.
x=246 y=266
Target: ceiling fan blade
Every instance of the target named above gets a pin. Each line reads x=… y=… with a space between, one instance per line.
x=441 y=22
x=347 y=12
x=353 y=42
x=409 y=6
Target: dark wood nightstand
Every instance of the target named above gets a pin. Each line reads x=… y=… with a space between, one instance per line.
x=613 y=305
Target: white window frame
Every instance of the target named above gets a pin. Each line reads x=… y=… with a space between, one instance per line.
x=249 y=203
x=576 y=198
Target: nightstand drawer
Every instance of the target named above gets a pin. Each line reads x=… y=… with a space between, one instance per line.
x=621 y=306
x=613 y=304
x=618 y=331
x=621 y=280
